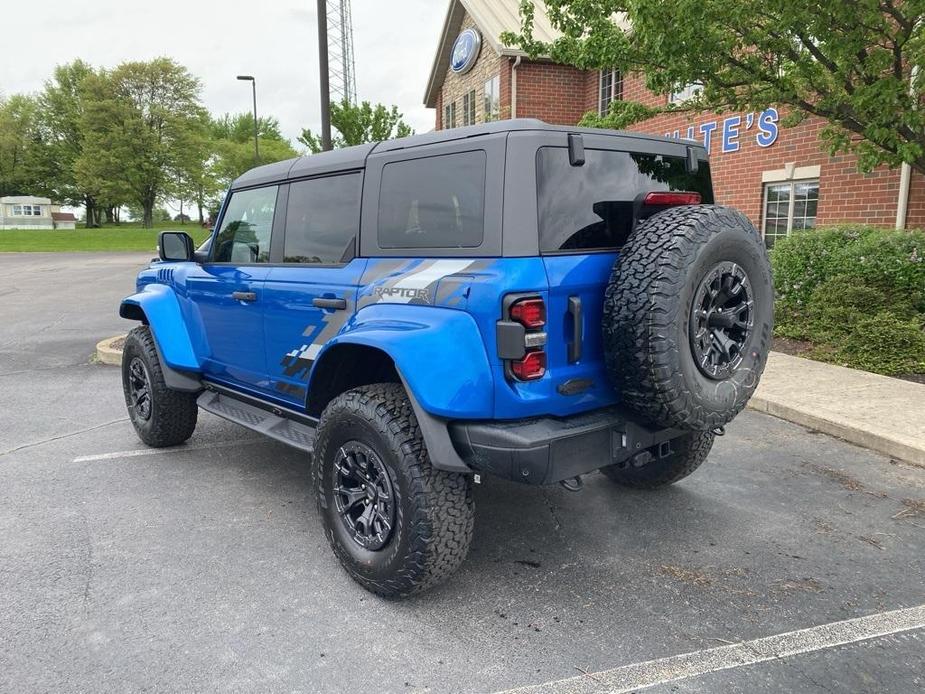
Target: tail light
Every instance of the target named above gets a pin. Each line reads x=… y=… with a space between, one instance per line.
x=531 y=367
x=671 y=199
x=521 y=338
x=530 y=313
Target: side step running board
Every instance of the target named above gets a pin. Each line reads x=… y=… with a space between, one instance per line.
x=287 y=431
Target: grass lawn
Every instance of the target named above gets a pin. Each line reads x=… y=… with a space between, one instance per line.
x=124 y=237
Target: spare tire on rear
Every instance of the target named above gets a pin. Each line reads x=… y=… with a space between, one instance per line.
x=688 y=316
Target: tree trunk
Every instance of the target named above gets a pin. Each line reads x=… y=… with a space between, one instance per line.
x=110 y=214
x=91 y=212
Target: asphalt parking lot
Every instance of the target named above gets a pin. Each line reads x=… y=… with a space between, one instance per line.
x=204 y=567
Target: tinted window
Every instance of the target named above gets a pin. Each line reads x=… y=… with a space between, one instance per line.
x=322 y=220
x=594 y=206
x=437 y=202
x=244 y=236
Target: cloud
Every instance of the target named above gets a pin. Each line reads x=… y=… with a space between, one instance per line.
x=274 y=40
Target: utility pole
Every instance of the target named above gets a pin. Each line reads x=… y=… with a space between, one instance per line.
x=324 y=75
x=250 y=78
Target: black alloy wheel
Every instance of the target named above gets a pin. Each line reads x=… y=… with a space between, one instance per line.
x=363 y=495
x=722 y=319
x=139 y=387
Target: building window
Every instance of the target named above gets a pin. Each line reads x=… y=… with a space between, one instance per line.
x=492 y=106
x=685 y=93
x=449 y=115
x=611 y=89
x=787 y=207
x=25 y=210
x=469 y=108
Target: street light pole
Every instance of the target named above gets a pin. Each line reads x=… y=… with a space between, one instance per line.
x=249 y=78
x=324 y=76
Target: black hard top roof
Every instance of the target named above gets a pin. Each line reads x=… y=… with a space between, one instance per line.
x=355 y=157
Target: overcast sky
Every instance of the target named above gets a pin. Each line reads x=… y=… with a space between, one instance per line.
x=274 y=40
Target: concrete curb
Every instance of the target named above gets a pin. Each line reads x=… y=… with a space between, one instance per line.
x=850 y=433
x=106 y=353
x=878 y=413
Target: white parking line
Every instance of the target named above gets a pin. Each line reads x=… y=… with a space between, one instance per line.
x=630 y=678
x=162 y=451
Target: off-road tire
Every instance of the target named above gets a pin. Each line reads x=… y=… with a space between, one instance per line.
x=173 y=413
x=647 y=316
x=434 y=510
x=687 y=454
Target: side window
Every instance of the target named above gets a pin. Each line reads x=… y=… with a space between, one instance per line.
x=436 y=202
x=244 y=236
x=323 y=219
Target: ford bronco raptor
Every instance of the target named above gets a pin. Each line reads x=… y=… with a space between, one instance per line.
x=515 y=299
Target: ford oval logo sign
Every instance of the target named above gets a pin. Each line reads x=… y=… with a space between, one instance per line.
x=465 y=51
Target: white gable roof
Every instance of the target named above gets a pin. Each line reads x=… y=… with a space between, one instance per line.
x=493 y=17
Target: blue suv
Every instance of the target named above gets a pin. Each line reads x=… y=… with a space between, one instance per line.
x=516 y=299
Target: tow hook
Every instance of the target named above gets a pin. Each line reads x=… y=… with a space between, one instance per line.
x=573 y=484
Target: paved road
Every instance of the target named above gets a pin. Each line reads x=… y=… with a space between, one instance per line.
x=204 y=568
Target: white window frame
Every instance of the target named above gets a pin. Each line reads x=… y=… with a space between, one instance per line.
x=612 y=80
x=449 y=115
x=469 y=108
x=20 y=210
x=492 y=100
x=792 y=183
x=685 y=93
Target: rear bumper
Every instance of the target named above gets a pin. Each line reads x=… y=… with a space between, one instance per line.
x=545 y=450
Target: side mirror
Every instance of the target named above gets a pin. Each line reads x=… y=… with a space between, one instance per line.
x=175 y=246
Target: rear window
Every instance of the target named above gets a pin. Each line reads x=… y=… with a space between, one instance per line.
x=593 y=207
x=436 y=202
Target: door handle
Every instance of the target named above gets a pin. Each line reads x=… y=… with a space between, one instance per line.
x=244 y=296
x=574 y=347
x=326 y=302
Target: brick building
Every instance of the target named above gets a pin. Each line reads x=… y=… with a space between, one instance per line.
x=779 y=177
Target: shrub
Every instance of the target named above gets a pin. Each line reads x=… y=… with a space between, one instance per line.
x=892 y=261
x=857 y=293
x=884 y=344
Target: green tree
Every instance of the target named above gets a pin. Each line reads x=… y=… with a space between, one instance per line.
x=19 y=145
x=232 y=137
x=61 y=108
x=357 y=124
x=851 y=63
x=138 y=123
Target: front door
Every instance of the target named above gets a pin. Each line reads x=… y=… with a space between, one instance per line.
x=310 y=297
x=226 y=296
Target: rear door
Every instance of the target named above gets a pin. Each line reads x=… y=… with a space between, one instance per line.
x=313 y=292
x=584 y=215
x=225 y=296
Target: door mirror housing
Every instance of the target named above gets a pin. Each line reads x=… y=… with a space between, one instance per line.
x=175 y=246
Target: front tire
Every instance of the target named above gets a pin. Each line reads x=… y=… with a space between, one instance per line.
x=162 y=417
x=648 y=470
x=397 y=524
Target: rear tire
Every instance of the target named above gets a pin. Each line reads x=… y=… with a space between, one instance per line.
x=647 y=471
x=397 y=524
x=161 y=416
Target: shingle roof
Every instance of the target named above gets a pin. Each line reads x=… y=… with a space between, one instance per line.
x=493 y=17
x=63 y=217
